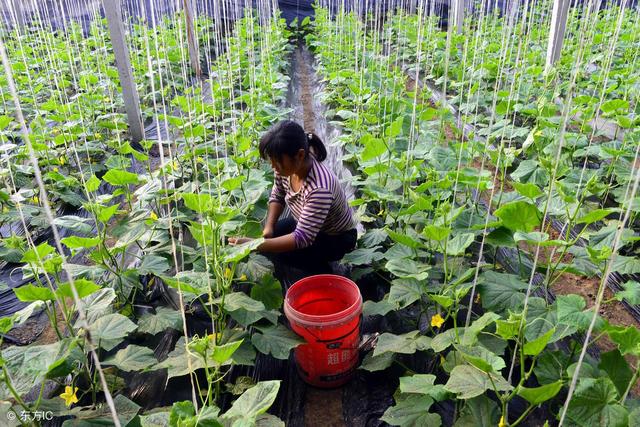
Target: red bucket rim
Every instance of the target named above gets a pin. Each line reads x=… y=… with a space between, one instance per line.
x=323 y=319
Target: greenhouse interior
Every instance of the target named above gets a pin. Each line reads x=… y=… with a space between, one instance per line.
x=319 y=213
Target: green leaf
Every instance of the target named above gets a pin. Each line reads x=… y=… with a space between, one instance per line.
x=594 y=404
x=164 y=318
x=407 y=343
x=468 y=382
x=83 y=287
x=407 y=268
x=535 y=347
x=224 y=352
x=617 y=369
x=614 y=105
x=92 y=184
x=528 y=190
x=403 y=239
x=626 y=265
x=628 y=339
x=411 y=411
x=570 y=311
x=132 y=358
x=519 y=216
x=153 y=264
x=104 y=214
x=119 y=177
x=501 y=292
x=507 y=329
x=75 y=242
x=201 y=203
x=481 y=358
x=435 y=232
x=373 y=363
x=594 y=216
x=630 y=294
x=471 y=333
x=363 y=256
x=459 y=243
x=232 y=254
x=501 y=236
x=254 y=401
x=417 y=383
x=373 y=147
x=239 y=300
x=395 y=128
x=110 y=329
x=379 y=308
x=277 y=341
x=538 y=395
x=479 y=412
x=269 y=292
x=29 y=292
x=404 y=292
x=38 y=253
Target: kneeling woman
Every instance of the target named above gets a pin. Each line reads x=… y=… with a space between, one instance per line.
x=322 y=227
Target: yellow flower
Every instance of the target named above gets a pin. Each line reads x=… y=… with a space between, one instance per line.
x=55 y=169
x=153 y=216
x=69 y=395
x=502 y=423
x=381 y=212
x=243 y=277
x=61 y=160
x=478 y=299
x=437 y=321
x=35 y=199
x=227 y=272
x=442 y=360
x=175 y=165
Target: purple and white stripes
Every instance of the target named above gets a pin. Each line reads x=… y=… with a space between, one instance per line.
x=320 y=205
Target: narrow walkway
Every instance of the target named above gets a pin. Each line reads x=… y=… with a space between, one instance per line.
x=322 y=408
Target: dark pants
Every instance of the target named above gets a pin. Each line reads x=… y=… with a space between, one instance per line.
x=314 y=259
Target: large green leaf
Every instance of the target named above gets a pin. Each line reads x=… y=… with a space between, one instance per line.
x=236 y=253
x=373 y=147
x=481 y=358
x=403 y=239
x=201 y=203
x=28 y=365
x=29 y=293
x=153 y=264
x=380 y=308
x=617 y=368
x=373 y=363
x=222 y=353
x=408 y=268
x=501 y=292
x=411 y=411
x=519 y=216
x=458 y=244
x=269 y=292
x=479 y=412
x=120 y=177
x=595 y=404
x=363 y=256
x=631 y=293
x=404 y=292
x=83 y=287
x=468 y=382
x=277 y=341
x=627 y=338
x=407 y=343
x=110 y=329
x=163 y=318
x=254 y=401
x=538 y=395
x=132 y=358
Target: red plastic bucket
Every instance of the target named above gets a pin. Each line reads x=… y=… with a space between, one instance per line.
x=325 y=310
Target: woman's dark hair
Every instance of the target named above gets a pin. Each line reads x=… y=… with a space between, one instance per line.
x=287 y=137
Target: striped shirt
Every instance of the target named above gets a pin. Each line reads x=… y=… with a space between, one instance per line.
x=319 y=205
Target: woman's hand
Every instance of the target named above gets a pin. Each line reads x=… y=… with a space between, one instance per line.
x=267 y=232
x=233 y=241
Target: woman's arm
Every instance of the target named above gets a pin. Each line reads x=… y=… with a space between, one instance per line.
x=284 y=243
x=273 y=213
